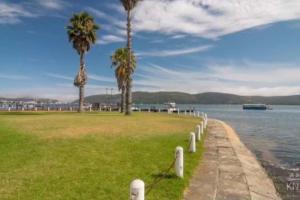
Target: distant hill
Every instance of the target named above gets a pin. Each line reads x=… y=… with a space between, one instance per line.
x=203 y=98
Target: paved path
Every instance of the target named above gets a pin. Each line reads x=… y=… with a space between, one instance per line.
x=229 y=171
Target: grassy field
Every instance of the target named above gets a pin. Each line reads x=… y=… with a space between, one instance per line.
x=53 y=156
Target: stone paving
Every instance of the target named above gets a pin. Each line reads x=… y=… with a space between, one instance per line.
x=228 y=171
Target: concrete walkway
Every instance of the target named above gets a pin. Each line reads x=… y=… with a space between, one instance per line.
x=229 y=171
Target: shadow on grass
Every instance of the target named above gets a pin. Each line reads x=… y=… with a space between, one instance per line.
x=163 y=175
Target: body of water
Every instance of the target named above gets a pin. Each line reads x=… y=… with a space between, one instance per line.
x=272 y=135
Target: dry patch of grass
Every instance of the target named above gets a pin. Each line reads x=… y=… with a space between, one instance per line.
x=64 y=125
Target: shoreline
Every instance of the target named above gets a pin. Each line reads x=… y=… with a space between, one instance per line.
x=229 y=170
x=257 y=177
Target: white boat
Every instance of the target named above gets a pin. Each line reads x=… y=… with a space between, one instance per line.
x=171 y=107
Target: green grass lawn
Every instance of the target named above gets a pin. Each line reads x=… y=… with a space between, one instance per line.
x=92 y=155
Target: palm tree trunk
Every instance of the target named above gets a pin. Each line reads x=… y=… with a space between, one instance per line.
x=129 y=82
x=81 y=98
x=81 y=87
x=123 y=98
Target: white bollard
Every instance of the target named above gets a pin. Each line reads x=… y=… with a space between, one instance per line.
x=190 y=113
x=198 y=114
x=109 y=109
x=137 y=190
x=90 y=109
x=179 y=162
x=71 y=109
x=23 y=109
x=140 y=110
x=198 y=132
x=202 y=127
x=178 y=112
x=185 y=112
x=60 y=109
x=159 y=110
x=48 y=109
x=192 y=147
x=9 y=109
x=100 y=109
x=35 y=109
x=149 y=110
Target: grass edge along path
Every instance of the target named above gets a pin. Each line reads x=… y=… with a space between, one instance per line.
x=90 y=166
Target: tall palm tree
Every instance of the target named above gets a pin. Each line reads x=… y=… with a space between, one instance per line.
x=119 y=61
x=128 y=6
x=82 y=33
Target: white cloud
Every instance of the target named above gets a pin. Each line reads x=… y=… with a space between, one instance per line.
x=15 y=77
x=101 y=78
x=120 y=23
x=59 y=76
x=11 y=13
x=107 y=39
x=242 y=78
x=178 y=36
x=52 y=4
x=211 y=18
x=66 y=92
x=165 y=53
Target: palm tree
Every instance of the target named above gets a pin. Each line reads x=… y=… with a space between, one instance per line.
x=128 y=6
x=119 y=61
x=82 y=33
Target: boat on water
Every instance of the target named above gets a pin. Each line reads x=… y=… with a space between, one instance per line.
x=256 y=107
x=171 y=107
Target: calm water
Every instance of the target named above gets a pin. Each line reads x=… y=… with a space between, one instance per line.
x=274 y=137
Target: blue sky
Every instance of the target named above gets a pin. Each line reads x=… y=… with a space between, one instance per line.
x=246 y=47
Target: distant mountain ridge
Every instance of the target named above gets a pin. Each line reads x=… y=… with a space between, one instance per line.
x=202 y=98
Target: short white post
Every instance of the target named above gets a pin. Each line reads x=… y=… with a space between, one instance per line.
x=59 y=108
x=159 y=110
x=185 y=112
x=140 y=110
x=178 y=111
x=198 y=114
x=35 y=108
x=90 y=108
x=149 y=110
x=23 y=109
x=202 y=127
x=194 y=114
x=109 y=109
x=71 y=109
x=179 y=162
x=9 y=109
x=48 y=109
x=192 y=147
x=198 y=132
x=137 y=190
x=190 y=112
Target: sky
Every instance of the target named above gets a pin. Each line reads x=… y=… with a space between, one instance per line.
x=244 y=47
